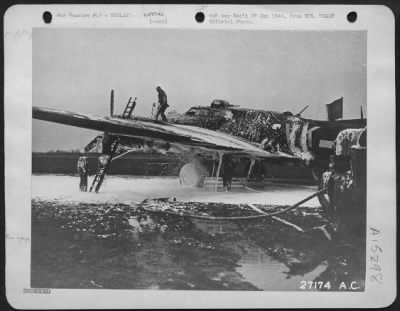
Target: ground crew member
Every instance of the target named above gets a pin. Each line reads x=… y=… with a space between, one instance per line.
x=228 y=171
x=83 y=172
x=102 y=162
x=163 y=104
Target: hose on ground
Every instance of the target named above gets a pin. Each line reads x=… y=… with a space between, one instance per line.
x=264 y=215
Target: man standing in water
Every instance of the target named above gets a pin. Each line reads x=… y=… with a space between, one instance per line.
x=163 y=104
x=83 y=172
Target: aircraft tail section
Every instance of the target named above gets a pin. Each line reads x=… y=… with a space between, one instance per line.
x=296 y=135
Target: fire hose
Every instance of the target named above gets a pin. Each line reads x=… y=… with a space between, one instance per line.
x=262 y=214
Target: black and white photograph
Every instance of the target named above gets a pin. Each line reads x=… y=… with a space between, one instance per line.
x=192 y=159
x=199 y=159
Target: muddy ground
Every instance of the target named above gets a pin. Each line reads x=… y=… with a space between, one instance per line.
x=121 y=246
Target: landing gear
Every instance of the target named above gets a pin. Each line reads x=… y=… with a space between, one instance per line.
x=256 y=171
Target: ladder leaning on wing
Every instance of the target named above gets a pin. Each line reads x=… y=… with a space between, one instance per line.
x=103 y=168
x=129 y=108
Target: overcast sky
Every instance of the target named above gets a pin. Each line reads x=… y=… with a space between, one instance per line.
x=75 y=69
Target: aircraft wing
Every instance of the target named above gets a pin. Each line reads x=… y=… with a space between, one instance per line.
x=189 y=136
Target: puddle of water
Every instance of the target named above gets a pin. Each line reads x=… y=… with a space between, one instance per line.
x=266 y=273
x=257 y=267
x=143 y=251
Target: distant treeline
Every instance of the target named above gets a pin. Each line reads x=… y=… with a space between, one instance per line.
x=149 y=164
x=131 y=164
x=63 y=151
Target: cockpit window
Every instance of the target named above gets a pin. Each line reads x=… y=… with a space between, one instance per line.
x=191 y=112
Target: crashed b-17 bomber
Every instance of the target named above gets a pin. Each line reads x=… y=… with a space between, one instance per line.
x=216 y=227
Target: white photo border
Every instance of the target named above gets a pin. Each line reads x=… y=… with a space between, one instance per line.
x=378 y=21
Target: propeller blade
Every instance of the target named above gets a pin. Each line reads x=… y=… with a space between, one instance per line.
x=301 y=111
x=112 y=104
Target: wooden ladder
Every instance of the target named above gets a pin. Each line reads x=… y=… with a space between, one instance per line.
x=129 y=108
x=102 y=169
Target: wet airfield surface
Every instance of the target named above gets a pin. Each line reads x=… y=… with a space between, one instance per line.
x=83 y=241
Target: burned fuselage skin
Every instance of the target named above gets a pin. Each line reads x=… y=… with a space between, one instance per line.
x=270 y=130
x=310 y=141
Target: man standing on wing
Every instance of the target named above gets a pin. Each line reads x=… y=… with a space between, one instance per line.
x=163 y=104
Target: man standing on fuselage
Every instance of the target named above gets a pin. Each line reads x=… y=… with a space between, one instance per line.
x=163 y=104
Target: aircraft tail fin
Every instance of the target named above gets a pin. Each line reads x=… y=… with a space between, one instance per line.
x=335 y=109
